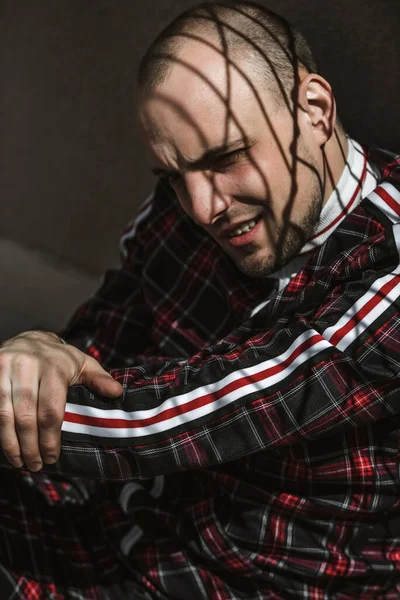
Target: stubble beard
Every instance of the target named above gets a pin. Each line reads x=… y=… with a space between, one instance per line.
x=291 y=239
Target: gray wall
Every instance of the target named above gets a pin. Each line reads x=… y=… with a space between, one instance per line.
x=71 y=164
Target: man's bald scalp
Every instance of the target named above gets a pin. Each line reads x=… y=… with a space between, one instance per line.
x=243 y=31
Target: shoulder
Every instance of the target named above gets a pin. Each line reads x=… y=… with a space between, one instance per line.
x=161 y=227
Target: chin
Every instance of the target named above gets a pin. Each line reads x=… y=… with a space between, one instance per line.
x=258 y=266
x=262 y=264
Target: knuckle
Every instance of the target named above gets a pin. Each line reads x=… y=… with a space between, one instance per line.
x=8 y=441
x=49 y=446
x=6 y=418
x=25 y=421
x=49 y=418
x=10 y=448
x=60 y=375
x=22 y=361
x=30 y=453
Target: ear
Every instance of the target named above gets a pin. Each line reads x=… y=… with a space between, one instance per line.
x=318 y=106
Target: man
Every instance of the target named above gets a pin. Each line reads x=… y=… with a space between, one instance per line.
x=254 y=328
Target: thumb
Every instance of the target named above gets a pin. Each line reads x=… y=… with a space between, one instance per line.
x=98 y=380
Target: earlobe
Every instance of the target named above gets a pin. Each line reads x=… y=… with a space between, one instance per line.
x=317 y=101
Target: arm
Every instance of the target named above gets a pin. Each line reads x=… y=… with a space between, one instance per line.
x=325 y=362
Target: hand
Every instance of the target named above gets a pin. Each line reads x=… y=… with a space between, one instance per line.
x=36 y=369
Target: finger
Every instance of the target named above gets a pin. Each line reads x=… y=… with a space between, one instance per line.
x=96 y=378
x=24 y=385
x=50 y=415
x=8 y=436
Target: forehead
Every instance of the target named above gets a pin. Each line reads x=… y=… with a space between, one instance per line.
x=204 y=100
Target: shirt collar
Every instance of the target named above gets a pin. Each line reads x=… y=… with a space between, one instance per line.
x=359 y=178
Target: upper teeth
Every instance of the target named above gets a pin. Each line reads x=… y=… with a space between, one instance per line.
x=243 y=228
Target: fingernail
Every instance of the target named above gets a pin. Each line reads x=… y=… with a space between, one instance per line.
x=17 y=462
x=50 y=459
x=35 y=466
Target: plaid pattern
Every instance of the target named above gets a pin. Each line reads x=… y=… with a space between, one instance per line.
x=259 y=440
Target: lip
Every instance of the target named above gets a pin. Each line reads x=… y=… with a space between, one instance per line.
x=244 y=238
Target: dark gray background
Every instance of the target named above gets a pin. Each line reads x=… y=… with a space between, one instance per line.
x=72 y=166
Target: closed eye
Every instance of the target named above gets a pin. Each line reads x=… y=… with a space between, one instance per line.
x=216 y=162
x=230 y=158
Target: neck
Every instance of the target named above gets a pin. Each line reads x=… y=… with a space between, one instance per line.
x=335 y=156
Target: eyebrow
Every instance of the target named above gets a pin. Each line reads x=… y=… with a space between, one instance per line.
x=210 y=156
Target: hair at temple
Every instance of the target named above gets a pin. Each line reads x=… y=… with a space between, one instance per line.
x=245 y=31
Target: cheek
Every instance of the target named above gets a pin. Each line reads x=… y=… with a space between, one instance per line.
x=251 y=181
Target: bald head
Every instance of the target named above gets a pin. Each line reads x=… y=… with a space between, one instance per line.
x=240 y=126
x=247 y=35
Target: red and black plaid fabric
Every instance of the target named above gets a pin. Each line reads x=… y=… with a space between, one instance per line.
x=255 y=451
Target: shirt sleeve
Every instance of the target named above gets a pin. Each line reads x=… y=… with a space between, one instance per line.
x=323 y=363
x=113 y=326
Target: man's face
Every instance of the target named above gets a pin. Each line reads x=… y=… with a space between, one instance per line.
x=232 y=158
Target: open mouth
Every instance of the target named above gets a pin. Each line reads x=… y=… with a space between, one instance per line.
x=246 y=233
x=244 y=228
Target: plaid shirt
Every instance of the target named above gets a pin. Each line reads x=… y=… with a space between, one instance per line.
x=258 y=430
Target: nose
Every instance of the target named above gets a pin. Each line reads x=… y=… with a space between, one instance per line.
x=203 y=198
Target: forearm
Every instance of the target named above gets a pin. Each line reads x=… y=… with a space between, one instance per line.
x=214 y=409
x=277 y=384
